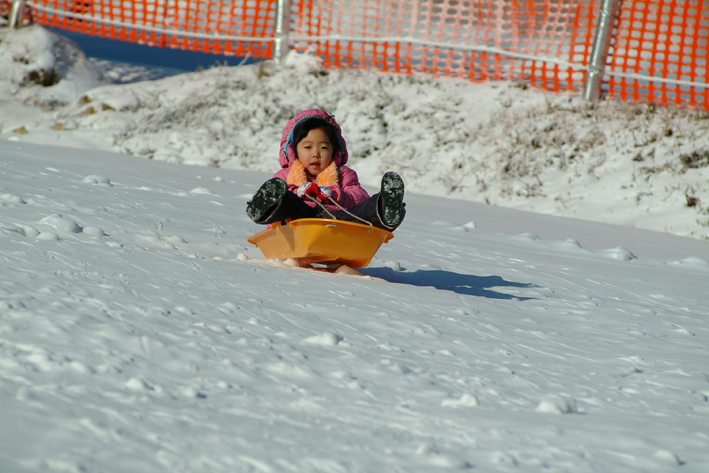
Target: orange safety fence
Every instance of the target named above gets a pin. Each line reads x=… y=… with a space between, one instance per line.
x=231 y=28
x=454 y=38
x=543 y=43
x=666 y=39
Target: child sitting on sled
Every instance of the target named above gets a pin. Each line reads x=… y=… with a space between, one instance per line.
x=315 y=183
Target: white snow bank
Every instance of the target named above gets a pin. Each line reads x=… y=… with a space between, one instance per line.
x=42 y=67
x=496 y=143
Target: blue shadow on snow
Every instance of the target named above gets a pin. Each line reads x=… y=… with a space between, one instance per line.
x=464 y=284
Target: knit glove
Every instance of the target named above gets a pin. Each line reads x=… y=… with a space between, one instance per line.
x=310 y=189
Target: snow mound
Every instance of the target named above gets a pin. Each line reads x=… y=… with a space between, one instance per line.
x=45 y=68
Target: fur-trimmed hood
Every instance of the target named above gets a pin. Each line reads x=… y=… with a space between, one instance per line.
x=288 y=153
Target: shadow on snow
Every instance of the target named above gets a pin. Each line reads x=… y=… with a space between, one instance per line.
x=464 y=284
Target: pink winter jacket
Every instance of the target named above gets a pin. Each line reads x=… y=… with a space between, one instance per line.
x=349 y=192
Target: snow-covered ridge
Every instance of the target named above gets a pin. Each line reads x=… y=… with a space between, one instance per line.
x=498 y=143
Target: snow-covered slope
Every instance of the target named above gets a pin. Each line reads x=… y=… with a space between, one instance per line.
x=496 y=143
x=133 y=337
x=140 y=332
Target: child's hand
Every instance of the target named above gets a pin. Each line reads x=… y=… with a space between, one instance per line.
x=312 y=190
x=309 y=188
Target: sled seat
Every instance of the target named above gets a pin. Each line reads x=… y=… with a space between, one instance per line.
x=317 y=240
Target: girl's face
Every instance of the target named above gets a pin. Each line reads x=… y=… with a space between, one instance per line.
x=315 y=151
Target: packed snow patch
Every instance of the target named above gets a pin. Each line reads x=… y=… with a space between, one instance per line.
x=155 y=337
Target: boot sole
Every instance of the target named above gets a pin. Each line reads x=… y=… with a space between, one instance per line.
x=392 y=199
x=266 y=199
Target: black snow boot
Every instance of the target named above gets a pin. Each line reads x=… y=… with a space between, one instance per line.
x=391 y=204
x=266 y=200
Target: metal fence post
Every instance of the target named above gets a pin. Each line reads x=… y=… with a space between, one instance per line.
x=17 y=14
x=599 y=52
x=282 y=35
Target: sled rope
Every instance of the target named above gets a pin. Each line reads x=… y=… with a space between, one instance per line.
x=321 y=206
x=350 y=213
x=341 y=208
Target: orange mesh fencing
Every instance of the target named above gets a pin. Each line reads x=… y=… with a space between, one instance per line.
x=483 y=40
x=455 y=38
x=543 y=43
x=666 y=39
x=219 y=27
x=5 y=6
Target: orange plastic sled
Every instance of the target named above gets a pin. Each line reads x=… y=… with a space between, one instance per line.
x=317 y=240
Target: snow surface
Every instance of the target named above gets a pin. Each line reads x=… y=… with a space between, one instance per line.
x=140 y=332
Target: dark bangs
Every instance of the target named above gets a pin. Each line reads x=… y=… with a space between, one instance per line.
x=302 y=129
